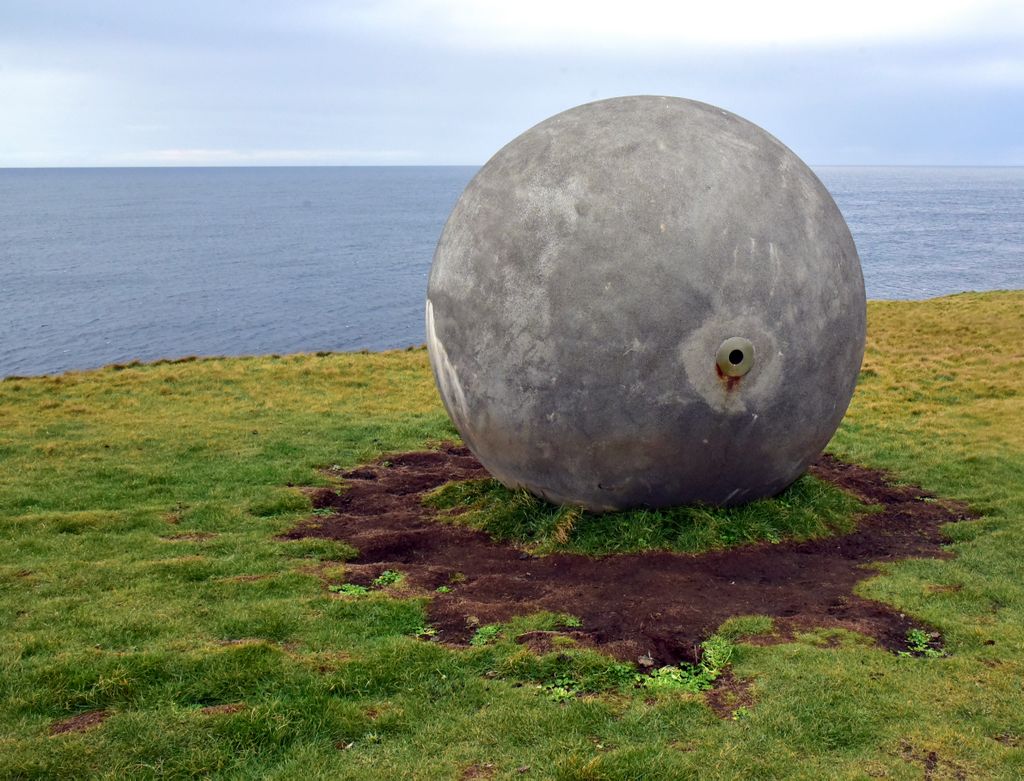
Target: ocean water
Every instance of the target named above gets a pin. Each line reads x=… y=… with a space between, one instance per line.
x=103 y=266
x=924 y=232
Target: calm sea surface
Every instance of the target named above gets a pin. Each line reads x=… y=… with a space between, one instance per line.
x=108 y=265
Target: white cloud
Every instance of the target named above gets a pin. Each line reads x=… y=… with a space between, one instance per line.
x=574 y=24
x=38 y=105
x=982 y=72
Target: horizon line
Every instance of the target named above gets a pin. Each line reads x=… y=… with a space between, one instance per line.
x=47 y=167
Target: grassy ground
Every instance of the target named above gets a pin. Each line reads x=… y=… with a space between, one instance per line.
x=139 y=576
x=809 y=508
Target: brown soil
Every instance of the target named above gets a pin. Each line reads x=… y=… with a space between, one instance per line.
x=656 y=604
x=931 y=763
x=79 y=723
x=729 y=695
x=486 y=770
x=220 y=710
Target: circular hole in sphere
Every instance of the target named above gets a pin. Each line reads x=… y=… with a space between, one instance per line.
x=736 y=357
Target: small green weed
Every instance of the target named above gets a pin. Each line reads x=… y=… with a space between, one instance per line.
x=741 y=713
x=564 y=688
x=684 y=677
x=486 y=635
x=570 y=673
x=921 y=643
x=443 y=589
x=388 y=577
x=716 y=653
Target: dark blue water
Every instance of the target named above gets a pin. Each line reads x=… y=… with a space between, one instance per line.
x=924 y=232
x=108 y=265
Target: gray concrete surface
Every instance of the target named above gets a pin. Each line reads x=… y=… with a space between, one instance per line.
x=588 y=277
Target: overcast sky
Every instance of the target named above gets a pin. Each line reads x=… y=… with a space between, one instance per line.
x=201 y=82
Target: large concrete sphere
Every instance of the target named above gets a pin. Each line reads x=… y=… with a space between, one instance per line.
x=587 y=285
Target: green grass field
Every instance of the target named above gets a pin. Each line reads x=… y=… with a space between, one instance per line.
x=140 y=577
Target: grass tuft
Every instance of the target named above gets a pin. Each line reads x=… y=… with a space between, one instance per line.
x=808 y=509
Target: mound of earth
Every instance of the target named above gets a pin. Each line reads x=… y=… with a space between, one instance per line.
x=656 y=604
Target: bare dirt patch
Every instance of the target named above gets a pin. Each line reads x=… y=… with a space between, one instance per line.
x=221 y=710
x=934 y=766
x=657 y=604
x=730 y=695
x=80 y=722
x=485 y=770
